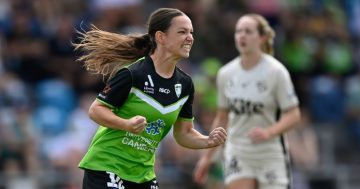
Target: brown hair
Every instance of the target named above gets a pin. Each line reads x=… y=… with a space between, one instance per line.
x=105 y=52
x=264 y=29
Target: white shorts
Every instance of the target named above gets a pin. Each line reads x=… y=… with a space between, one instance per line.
x=270 y=174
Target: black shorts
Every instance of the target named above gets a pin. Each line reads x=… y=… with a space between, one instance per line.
x=107 y=180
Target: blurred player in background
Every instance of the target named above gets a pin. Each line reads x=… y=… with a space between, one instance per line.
x=251 y=90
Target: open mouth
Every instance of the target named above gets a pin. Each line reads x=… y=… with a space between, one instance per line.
x=242 y=44
x=187 y=46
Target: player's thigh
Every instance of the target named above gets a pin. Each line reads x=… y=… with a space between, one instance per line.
x=242 y=184
x=239 y=173
x=273 y=175
x=237 y=168
x=273 y=186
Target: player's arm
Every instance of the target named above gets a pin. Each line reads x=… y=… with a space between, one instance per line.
x=220 y=120
x=202 y=167
x=102 y=115
x=187 y=136
x=114 y=95
x=287 y=100
x=288 y=119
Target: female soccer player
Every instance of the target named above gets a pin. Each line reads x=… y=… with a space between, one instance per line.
x=145 y=97
x=251 y=89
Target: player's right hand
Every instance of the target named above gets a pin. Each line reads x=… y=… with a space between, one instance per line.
x=217 y=137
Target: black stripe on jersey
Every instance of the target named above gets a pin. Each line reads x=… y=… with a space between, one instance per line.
x=287 y=159
x=285 y=151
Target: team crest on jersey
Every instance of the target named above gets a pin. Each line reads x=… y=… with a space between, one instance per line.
x=232 y=167
x=178 y=89
x=261 y=85
x=270 y=176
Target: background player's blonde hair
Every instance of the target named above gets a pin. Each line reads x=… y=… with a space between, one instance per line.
x=265 y=30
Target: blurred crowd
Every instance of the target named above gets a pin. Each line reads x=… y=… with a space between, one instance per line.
x=45 y=93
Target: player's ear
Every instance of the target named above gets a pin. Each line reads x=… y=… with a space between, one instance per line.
x=159 y=37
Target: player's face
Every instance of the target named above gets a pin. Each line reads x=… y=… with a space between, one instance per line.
x=247 y=37
x=179 y=37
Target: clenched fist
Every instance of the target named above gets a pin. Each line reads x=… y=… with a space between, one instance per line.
x=136 y=124
x=217 y=137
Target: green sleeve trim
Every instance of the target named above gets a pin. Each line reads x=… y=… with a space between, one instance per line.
x=186 y=119
x=105 y=103
x=142 y=58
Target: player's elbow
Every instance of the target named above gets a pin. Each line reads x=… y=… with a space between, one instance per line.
x=94 y=111
x=296 y=115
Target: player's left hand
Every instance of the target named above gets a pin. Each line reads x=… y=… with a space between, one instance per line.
x=258 y=135
x=217 y=137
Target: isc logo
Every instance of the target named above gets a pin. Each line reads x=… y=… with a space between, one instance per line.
x=162 y=90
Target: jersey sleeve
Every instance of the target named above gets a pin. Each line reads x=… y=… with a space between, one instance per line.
x=117 y=89
x=220 y=84
x=186 y=111
x=285 y=92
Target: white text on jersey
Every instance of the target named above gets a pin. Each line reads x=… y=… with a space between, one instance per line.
x=162 y=90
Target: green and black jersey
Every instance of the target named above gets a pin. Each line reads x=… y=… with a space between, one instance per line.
x=139 y=90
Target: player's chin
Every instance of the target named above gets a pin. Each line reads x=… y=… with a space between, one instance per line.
x=243 y=50
x=185 y=53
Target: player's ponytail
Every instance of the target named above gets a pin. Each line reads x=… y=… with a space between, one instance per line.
x=265 y=30
x=105 y=53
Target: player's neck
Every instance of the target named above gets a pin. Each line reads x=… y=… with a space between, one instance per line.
x=164 y=66
x=249 y=61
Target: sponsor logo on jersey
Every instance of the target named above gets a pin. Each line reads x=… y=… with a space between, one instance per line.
x=178 y=89
x=147 y=88
x=139 y=142
x=230 y=86
x=162 y=90
x=243 y=106
x=104 y=92
x=106 y=89
x=154 y=128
